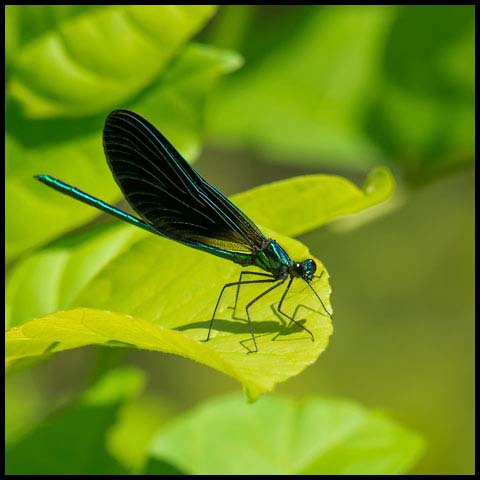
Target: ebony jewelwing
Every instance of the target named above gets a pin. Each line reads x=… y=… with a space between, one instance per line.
x=174 y=201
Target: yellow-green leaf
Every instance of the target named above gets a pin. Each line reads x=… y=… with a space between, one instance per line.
x=298 y=205
x=52 y=278
x=178 y=305
x=164 y=294
x=85 y=62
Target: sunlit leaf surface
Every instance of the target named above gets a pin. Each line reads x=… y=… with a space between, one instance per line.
x=178 y=306
x=52 y=278
x=66 y=60
x=154 y=294
x=298 y=205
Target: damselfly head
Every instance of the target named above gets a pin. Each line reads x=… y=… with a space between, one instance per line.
x=305 y=269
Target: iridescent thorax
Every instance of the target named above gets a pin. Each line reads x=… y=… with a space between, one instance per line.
x=272 y=258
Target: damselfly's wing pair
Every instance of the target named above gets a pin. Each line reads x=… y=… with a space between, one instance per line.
x=174 y=201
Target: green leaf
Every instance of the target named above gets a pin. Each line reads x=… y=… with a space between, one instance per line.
x=178 y=307
x=279 y=436
x=174 y=104
x=423 y=116
x=52 y=278
x=352 y=86
x=138 y=421
x=72 y=441
x=314 y=200
x=171 y=291
x=24 y=406
x=304 y=102
x=83 y=60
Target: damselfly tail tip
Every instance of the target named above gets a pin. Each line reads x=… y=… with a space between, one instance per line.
x=46 y=179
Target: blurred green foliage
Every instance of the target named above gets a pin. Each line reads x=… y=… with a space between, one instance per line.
x=130 y=433
x=77 y=434
x=332 y=87
x=60 y=60
x=281 y=436
x=128 y=440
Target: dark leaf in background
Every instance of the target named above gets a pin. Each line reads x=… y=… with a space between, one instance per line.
x=73 y=441
x=423 y=118
x=334 y=87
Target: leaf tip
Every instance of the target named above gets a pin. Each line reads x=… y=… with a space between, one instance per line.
x=380 y=183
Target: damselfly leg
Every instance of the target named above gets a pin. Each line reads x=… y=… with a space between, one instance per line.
x=279 y=308
x=227 y=285
x=258 y=297
x=318 y=296
x=241 y=282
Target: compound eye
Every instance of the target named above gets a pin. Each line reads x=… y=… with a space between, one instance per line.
x=309 y=268
x=313 y=267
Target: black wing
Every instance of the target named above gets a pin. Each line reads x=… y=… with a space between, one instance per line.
x=168 y=193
